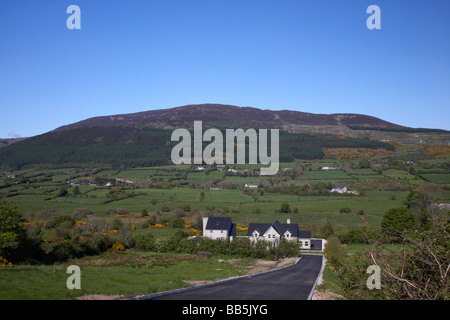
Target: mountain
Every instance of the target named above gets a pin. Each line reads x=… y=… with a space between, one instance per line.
x=212 y=114
x=143 y=138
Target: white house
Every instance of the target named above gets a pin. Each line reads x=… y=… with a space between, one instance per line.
x=273 y=232
x=219 y=228
x=339 y=189
x=223 y=228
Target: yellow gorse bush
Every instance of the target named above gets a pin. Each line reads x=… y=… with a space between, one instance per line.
x=118 y=246
x=5 y=263
x=80 y=223
x=240 y=227
x=33 y=223
x=439 y=150
x=193 y=232
x=158 y=225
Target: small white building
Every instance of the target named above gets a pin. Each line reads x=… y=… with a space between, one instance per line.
x=304 y=238
x=339 y=189
x=251 y=185
x=219 y=228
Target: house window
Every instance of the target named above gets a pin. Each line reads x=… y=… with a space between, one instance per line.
x=306 y=243
x=210 y=231
x=221 y=231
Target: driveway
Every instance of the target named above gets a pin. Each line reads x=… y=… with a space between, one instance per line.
x=295 y=282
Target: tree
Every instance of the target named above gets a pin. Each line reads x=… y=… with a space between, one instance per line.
x=422 y=269
x=397 y=220
x=326 y=230
x=12 y=232
x=345 y=210
x=424 y=220
x=76 y=190
x=285 y=208
x=62 y=192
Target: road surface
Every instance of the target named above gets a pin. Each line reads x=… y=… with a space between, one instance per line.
x=294 y=282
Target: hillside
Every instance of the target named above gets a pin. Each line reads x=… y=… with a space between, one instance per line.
x=214 y=114
x=143 y=139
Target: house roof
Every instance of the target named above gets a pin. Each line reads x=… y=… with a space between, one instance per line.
x=281 y=228
x=221 y=223
x=304 y=234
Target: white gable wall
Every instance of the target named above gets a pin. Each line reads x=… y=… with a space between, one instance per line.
x=215 y=234
x=271 y=235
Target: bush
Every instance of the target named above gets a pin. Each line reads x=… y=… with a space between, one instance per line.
x=285 y=208
x=116 y=224
x=362 y=235
x=121 y=211
x=165 y=209
x=335 y=254
x=242 y=247
x=395 y=221
x=62 y=221
x=110 y=212
x=177 y=223
x=144 y=242
x=62 y=251
x=178 y=212
x=81 y=212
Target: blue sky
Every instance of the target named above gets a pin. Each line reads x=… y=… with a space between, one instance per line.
x=308 y=55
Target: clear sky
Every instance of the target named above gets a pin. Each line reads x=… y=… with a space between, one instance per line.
x=308 y=55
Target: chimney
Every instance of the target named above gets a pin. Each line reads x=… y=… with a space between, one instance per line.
x=288 y=220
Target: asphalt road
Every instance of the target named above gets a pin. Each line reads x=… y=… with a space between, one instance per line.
x=290 y=283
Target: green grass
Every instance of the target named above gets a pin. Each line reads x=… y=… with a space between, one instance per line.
x=145 y=273
x=436 y=177
x=327 y=175
x=126 y=273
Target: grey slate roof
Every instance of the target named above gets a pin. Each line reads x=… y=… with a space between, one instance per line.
x=304 y=234
x=281 y=228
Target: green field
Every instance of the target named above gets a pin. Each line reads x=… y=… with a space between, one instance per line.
x=137 y=197
x=127 y=274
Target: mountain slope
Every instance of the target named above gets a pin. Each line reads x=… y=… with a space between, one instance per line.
x=212 y=114
x=143 y=139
